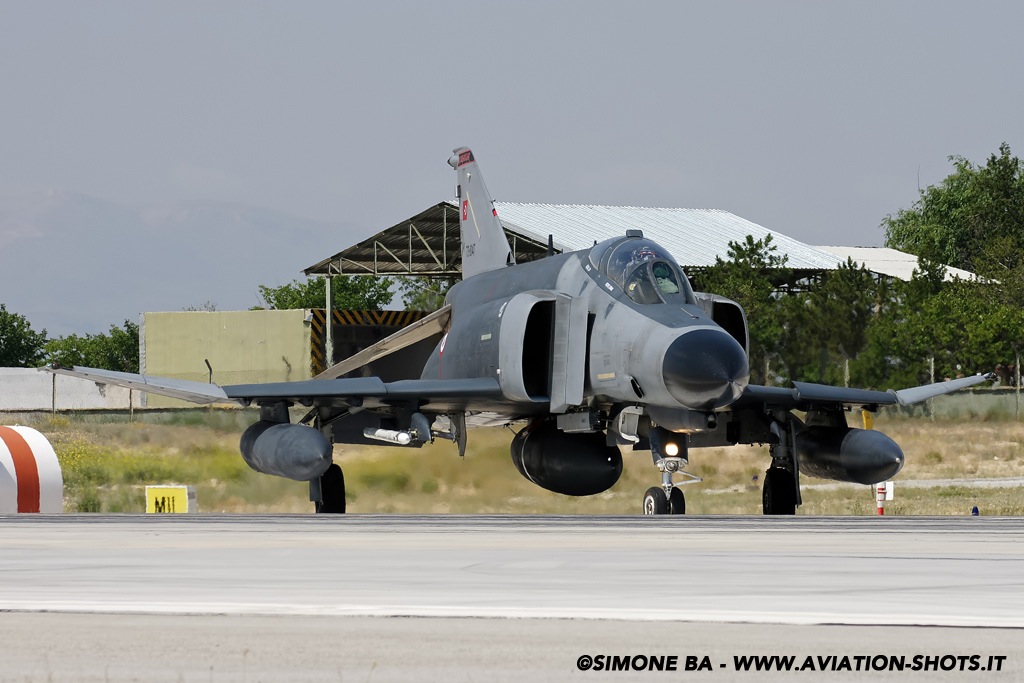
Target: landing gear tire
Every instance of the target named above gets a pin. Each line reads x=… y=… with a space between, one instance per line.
x=656 y=502
x=779 y=495
x=676 y=502
x=332 y=488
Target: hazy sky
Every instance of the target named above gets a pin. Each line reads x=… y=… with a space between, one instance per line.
x=815 y=119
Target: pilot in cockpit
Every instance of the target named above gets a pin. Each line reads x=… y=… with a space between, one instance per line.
x=639 y=256
x=665 y=278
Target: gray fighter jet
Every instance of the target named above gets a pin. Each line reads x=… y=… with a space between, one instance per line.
x=594 y=352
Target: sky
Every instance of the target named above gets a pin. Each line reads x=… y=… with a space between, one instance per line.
x=814 y=119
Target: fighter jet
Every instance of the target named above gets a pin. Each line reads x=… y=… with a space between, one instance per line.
x=592 y=352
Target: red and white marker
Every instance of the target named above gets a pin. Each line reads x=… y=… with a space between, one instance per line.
x=883 y=492
x=30 y=476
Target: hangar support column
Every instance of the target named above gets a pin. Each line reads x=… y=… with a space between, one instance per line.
x=328 y=333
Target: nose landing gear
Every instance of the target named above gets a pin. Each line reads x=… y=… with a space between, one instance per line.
x=667 y=499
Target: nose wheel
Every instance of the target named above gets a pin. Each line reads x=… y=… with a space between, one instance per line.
x=656 y=502
x=667 y=499
x=676 y=502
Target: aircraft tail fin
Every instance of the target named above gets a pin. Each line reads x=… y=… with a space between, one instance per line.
x=484 y=245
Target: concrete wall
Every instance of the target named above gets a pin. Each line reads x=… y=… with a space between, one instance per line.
x=28 y=389
x=242 y=346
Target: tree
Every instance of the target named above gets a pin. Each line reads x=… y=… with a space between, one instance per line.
x=347 y=292
x=929 y=319
x=752 y=277
x=906 y=334
x=959 y=220
x=20 y=345
x=974 y=219
x=117 y=350
x=424 y=294
x=830 y=327
x=208 y=306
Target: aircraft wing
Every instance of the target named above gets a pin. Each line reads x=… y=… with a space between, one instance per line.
x=366 y=392
x=371 y=392
x=186 y=390
x=804 y=395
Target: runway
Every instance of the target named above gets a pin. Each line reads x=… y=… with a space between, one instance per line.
x=623 y=581
x=896 y=571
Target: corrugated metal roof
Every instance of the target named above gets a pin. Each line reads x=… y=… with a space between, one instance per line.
x=425 y=244
x=694 y=236
x=428 y=243
x=891 y=262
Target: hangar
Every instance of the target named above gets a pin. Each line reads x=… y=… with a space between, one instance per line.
x=428 y=244
x=892 y=263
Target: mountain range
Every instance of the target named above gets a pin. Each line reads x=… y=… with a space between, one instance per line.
x=73 y=263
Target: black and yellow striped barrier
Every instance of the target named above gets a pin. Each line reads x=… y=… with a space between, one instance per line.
x=318 y=330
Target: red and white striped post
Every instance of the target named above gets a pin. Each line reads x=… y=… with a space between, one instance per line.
x=30 y=476
x=880 y=497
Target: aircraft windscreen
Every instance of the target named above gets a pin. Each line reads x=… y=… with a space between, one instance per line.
x=646 y=272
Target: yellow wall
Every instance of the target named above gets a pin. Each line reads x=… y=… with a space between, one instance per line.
x=243 y=347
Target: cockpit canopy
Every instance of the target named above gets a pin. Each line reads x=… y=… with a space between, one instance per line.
x=646 y=272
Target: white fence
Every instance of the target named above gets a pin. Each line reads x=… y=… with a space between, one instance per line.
x=23 y=389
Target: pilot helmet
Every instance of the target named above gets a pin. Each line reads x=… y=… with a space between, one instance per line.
x=644 y=253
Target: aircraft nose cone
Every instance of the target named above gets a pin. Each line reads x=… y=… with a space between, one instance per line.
x=705 y=368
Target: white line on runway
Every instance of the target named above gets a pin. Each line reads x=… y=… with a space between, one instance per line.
x=508 y=612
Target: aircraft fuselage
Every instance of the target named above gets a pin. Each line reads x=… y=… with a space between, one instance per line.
x=580 y=328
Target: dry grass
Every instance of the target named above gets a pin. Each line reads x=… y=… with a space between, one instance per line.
x=954 y=449
x=108 y=463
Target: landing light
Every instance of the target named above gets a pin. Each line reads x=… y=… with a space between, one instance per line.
x=671 y=450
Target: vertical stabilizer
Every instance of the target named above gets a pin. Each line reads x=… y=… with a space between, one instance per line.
x=484 y=246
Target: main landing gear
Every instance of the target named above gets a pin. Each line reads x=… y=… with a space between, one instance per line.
x=669 y=452
x=327 y=492
x=409 y=428
x=781 y=493
x=332 y=491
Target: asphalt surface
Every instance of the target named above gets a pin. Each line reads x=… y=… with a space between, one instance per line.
x=499 y=598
